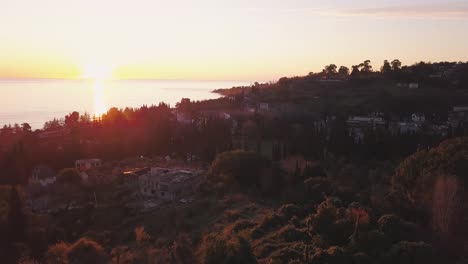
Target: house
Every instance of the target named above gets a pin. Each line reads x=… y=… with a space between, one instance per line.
x=149 y=182
x=418 y=118
x=263 y=107
x=43 y=176
x=183 y=118
x=458 y=117
x=413 y=85
x=405 y=128
x=178 y=184
x=86 y=164
x=132 y=177
x=168 y=184
x=358 y=125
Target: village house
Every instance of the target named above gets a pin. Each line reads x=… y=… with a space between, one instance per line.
x=43 y=176
x=175 y=185
x=168 y=184
x=458 y=117
x=418 y=118
x=358 y=125
x=263 y=107
x=132 y=177
x=413 y=85
x=149 y=182
x=403 y=128
x=86 y=164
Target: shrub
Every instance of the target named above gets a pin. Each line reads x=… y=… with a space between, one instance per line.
x=183 y=250
x=271 y=222
x=69 y=176
x=372 y=242
x=318 y=242
x=287 y=254
x=361 y=258
x=333 y=255
x=86 y=251
x=291 y=234
x=411 y=253
x=216 y=249
x=240 y=225
x=141 y=236
x=57 y=254
x=397 y=229
x=241 y=167
x=287 y=211
x=316 y=188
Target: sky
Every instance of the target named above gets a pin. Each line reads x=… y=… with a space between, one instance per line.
x=222 y=39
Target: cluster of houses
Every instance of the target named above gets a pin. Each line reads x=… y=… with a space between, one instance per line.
x=416 y=123
x=165 y=184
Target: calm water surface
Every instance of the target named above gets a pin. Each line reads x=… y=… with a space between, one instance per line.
x=37 y=101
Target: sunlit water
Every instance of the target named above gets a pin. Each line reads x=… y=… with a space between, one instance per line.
x=37 y=101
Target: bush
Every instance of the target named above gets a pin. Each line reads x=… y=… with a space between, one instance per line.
x=216 y=249
x=57 y=254
x=397 y=229
x=287 y=254
x=271 y=222
x=361 y=258
x=141 y=236
x=316 y=188
x=287 y=211
x=69 y=176
x=86 y=251
x=333 y=255
x=291 y=234
x=240 y=167
x=411 y=253
x=240 y=225
x=183 y=250
x=372 y=242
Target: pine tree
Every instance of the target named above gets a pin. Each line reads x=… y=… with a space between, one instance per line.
x=16 y=218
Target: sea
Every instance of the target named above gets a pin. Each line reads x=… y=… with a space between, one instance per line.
x=36 y=101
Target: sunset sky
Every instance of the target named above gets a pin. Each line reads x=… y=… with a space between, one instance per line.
x=222 y=39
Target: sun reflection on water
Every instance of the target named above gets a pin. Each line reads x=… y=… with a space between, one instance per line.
x=99 y=102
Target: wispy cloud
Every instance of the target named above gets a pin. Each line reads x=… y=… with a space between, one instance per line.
x=458 y=10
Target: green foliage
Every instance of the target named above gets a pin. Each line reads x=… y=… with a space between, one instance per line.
x=219 y=250
x=287 y=211
x=397 y=229
x=417 y=174
x=16 y=222
x=290 y=233
x=183 y=250
x=57 y=254
x=239 y=167
x=69 y=176
x=86 y=251
x=83 y=250
x=333 y=255
x=411 y=253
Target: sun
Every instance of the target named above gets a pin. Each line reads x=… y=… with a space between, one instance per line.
x=96 y=72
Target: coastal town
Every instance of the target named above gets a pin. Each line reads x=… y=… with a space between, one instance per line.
x=280 y=165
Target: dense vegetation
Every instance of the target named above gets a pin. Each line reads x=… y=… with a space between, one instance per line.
x=321 y=197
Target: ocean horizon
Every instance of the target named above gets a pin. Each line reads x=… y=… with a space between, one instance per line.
x=36 y=101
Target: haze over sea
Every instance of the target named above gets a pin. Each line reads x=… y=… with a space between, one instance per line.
x=36 y=101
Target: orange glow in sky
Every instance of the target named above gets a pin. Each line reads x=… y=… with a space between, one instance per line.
x=223 y=39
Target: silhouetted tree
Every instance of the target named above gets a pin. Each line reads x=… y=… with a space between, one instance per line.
x=386 y=68
x=16 y=218
x=343 y=71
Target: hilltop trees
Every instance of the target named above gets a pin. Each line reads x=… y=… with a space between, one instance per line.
x=238 y=167
x=435 y=180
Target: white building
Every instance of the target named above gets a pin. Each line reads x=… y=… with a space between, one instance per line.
x=43 y=176
x=418 y=118
x=86 y=164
